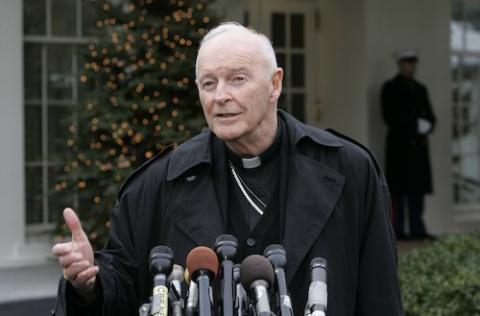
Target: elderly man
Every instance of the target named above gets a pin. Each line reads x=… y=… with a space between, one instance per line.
x=258 y=174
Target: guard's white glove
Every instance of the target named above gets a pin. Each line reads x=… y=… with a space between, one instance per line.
x=423 y=126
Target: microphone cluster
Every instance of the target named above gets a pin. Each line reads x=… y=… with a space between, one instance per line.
x=255 y=287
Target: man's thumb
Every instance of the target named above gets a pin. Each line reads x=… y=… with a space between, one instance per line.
x=74 y=224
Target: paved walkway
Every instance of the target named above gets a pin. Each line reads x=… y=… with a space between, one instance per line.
x=29 y=282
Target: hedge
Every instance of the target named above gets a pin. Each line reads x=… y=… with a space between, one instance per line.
x=442 y=279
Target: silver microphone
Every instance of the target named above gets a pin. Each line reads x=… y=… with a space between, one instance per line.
x=317 y=291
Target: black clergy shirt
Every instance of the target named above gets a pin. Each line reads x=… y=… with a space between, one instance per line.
x=267 y=183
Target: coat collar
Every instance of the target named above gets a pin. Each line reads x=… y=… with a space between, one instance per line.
x=197 y=150
x=314 y=190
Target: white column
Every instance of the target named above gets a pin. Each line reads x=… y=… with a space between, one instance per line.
x=12 y=183
x=14 y=250
x=342 y=67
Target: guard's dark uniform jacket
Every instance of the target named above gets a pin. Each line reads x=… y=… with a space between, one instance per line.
x=408 y=168
x=337 y=207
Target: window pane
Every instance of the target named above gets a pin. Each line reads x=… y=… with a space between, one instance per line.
x=60 y=74
x=298 y=106
x=89 y=87
x=58 y=199
x=63 y=18
x=278 y=30
x=457 y=10
x=89 y=18
x=281 y=63
x=33 y=71
x=33 y=133
x=34 y=17
x=33 y=179
x=298 y=70
x=470 y=181
x=297 y=30
x=281 y=60
x=59 y=118
x=282 y=101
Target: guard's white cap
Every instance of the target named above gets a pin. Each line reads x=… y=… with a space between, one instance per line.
x=406 y=54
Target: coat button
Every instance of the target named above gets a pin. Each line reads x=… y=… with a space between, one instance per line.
x=251 y=242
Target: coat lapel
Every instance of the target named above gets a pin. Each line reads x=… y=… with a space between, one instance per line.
x=194 y=205
x=196 y=210
x=312 y=193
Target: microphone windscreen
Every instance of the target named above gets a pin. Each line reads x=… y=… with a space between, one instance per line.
x=161 y=260
x=256 y=267
x=226 y=239
x=202 y=258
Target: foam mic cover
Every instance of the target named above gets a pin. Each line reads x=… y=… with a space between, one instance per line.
x=202 y=258
x=202 y=263
x=161 y=260
x=256 y=267
x=226 y=246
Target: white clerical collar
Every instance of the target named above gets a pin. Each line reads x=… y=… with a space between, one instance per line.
x=252 y=162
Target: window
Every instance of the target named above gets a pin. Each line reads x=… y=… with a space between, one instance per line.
x=55 y=32
x=288 y=38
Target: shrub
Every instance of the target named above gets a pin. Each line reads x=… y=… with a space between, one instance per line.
x=442 y=279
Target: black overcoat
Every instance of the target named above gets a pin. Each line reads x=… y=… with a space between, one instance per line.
x=408 y=168
x=337 y=207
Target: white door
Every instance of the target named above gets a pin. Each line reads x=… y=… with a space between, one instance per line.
x=291 y=25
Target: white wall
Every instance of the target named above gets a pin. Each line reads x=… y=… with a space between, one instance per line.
x=14 y=249
x=424 y=25
x=343 y=68
x=12 y=230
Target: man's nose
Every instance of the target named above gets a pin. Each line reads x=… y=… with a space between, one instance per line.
x=221 y=93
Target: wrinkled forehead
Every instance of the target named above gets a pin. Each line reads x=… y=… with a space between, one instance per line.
x=232 y=47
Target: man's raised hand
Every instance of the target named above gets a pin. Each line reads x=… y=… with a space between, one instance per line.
x=76 y=257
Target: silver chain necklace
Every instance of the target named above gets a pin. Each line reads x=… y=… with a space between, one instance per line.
x=242 y=185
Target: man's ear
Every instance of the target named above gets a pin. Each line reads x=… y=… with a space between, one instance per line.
x=277 y=79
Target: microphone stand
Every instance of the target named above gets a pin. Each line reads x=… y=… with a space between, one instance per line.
x=226 y=249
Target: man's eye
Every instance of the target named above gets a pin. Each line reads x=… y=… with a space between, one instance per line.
x=239 y=78
x=207 y=84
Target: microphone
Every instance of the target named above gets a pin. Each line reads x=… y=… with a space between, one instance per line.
x=317 y=291
x=192 y=299
x=226 y=249
x=277 y=255
x=241 y=304
x=175 y=281
x=202 y=263
x=256 y=274
x=161 y=263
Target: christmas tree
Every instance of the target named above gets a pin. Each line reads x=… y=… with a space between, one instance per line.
x=138 y=95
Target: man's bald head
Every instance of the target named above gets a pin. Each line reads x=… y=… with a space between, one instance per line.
x=234 y=30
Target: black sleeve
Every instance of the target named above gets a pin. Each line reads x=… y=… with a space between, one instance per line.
x=378 y=291
x=428 y=110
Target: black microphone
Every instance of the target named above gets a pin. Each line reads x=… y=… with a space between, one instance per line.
x=161 y=263
x=202 y=263
x=241 y=303
x=175 y=280
x=226 y=249
x=256 y=274
x=278 y=257
x=317 y=291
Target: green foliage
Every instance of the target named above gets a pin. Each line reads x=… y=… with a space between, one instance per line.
x=138 y=95
x=443 y=279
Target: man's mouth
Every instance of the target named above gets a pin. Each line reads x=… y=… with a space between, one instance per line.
x=226 y=115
